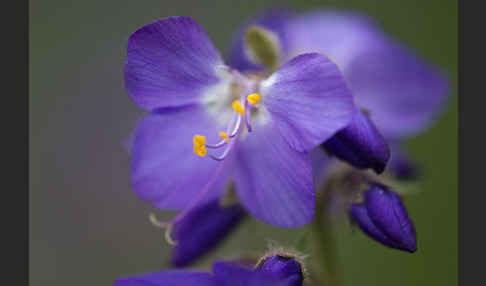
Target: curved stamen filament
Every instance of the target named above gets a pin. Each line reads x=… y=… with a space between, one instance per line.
x=237 y=127
x=217 y=145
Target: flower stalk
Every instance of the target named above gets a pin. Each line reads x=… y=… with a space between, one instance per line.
x=324 y=241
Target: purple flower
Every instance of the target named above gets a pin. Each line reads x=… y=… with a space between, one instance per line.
x=254 y=129
x=202 y=229
x=224 y=274
x=285 y=268
x=400 y=92
x=383 y=217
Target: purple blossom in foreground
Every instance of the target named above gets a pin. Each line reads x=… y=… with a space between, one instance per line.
x=401 y=94
x=224 y=274
x=254 y=129
x=383 y=217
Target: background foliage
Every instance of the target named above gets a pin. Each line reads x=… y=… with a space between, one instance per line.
x=86 y=225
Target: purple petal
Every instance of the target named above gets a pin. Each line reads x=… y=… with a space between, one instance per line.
x=403 y=93
x=360 y=144
x=232 y=274
x=165 y=170
x=359 y=214
x=308 y=99
x=286 y=269
x=202 y=229
x=274 y=181
x=169 y=278
x=388 y=213
x=273 y=20
x=170 y=62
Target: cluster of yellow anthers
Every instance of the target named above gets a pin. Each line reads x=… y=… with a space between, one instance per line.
x=199 y=141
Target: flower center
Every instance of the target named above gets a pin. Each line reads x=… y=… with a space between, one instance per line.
x=242 y=110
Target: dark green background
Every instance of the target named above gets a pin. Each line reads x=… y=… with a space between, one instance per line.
x=87 y=227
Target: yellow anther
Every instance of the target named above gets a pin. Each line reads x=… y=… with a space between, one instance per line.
x=199 y=147
x=253 y=98
x=224 y=136
x=238 y=107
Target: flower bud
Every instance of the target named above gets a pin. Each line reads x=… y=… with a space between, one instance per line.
x=360 y=144
x=262 y=46
x=285 y=268
x=202 y=229
x=383 y=217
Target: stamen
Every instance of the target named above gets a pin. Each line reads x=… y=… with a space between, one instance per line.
x=199 y=145
x=238 y=107
x=224 y=136
x=253 y=98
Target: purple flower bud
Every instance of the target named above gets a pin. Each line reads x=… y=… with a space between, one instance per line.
x=202 y=229
x=384 y=218
x=360 y=144
x=285 y=268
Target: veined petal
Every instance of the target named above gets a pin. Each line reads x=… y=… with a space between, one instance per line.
x=170 y=63
x=360 y=144
x=401 y=91
x=308 y=100
x=169 y=278
x=165 y=170
x=202 y=229
x=274 y=181
x=272 y=20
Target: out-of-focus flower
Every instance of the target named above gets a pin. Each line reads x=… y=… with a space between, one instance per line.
x=224 y=274
x=383 y=217
x=174 y=72
x=398 y=91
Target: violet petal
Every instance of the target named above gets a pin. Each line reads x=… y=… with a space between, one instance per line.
x=308 y=100
x=274 y=181
x=165 y=170
x=169 y=63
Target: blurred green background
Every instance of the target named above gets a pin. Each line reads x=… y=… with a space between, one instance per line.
x=87 y=227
